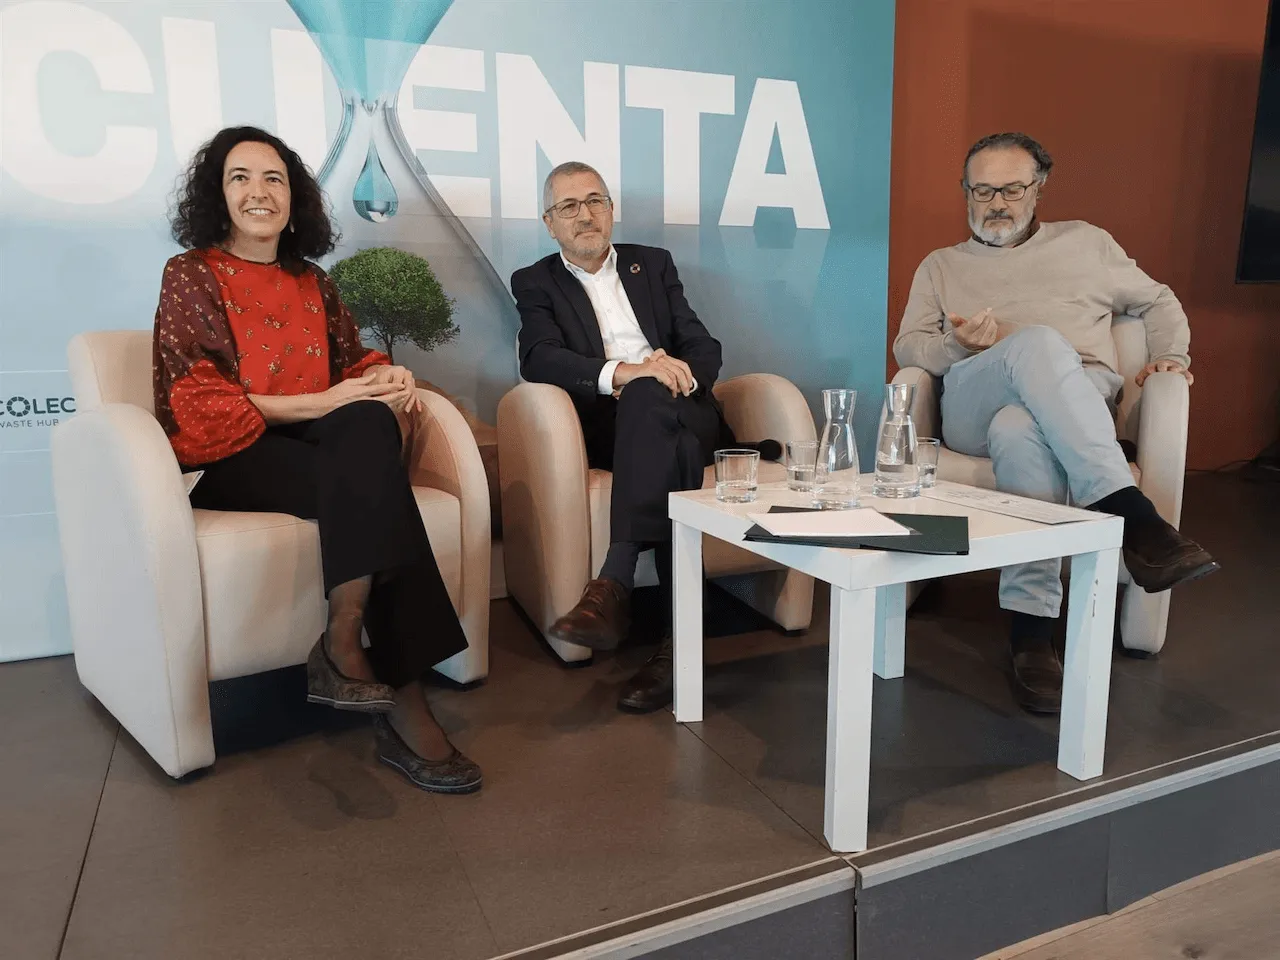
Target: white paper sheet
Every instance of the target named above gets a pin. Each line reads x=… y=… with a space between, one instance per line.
x=191 y=479
x=862 y=522
x=1007 y=504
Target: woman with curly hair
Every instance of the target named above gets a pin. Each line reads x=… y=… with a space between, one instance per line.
x=261 y=382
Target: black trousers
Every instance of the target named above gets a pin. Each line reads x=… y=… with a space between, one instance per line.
x=654 y=444
x=346 y=471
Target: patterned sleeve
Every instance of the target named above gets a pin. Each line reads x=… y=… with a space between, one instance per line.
x=199 y=401
x=348 y=357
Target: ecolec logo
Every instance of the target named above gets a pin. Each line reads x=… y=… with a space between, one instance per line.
x=20 y=412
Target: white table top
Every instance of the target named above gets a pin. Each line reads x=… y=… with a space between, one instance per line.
x=994 y=540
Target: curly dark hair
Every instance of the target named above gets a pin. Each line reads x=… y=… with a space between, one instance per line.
x=1043 y=162
x=200 y=217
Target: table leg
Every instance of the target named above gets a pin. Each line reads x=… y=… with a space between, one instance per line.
x=1091 y=606
x=686 y=576
x=853 y=626
x=891 y=631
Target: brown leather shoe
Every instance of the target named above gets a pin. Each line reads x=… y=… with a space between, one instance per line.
x=651 y=688
x=1158 y=557
x=600 y=620
x=1036 y=680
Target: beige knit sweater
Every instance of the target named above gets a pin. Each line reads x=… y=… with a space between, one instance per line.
x=1071 y=276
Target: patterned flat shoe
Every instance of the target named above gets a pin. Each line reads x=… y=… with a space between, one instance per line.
x=328 y=685
x=454 y=774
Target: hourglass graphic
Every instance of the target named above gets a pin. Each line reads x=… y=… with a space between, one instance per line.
x=369 y=46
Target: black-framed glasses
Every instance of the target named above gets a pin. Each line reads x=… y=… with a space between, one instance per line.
x=984 y=193
x=568 y=209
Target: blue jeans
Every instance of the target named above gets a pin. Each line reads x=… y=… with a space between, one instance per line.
x=1046 y=423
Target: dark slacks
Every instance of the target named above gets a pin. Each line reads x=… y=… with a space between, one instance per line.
x=654 y=444
x=346 y=472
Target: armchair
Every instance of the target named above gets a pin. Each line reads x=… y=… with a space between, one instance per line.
x=555 y=510
x=1153 y=416
x=164 y=598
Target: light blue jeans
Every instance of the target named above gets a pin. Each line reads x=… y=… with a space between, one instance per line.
x=1046 y=423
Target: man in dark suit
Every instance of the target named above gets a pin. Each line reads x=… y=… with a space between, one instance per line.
x=611 y=325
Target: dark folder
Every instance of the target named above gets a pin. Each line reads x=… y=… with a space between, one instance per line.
x=934 y=534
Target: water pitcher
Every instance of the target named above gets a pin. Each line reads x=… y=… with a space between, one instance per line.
x=835 y=479
x=897 y=473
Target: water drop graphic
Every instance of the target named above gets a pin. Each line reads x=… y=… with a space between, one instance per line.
x=374 y=196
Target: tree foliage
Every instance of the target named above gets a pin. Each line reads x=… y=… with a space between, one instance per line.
x=395 y=297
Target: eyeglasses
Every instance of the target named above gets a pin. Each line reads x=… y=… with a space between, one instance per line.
x=1010 y=191
x=568 y=209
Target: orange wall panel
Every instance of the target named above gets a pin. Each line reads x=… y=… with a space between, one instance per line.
x=1147 y=107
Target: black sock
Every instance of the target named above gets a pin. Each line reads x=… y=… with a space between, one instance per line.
x=1030 y=632
x=1131 y=504
x=620 y=563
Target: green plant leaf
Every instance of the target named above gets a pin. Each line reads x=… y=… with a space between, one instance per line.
x=395 y=298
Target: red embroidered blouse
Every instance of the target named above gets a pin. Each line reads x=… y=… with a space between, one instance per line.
x=226 y=328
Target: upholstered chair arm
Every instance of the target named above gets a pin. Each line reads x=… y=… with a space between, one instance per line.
x=764 y=406
x=132 y=574
x=546 y=521
x=445 y=457
x=1162 y=441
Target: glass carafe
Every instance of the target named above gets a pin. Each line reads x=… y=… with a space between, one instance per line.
x=897 y=473
x=835 y=479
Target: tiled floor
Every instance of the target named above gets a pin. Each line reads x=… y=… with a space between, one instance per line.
x=297 y=844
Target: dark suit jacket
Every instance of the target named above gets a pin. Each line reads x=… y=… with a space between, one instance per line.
x=560 y=339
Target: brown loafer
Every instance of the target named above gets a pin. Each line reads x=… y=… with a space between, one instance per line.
x=1158 y=557
x=600 y=620
x=328 y=685
x=1036 y=680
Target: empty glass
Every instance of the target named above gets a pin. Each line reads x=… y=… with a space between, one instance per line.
x=927 y=460
x=736 y=472
x=802 y=461
x=896 y=471
x=835 y=477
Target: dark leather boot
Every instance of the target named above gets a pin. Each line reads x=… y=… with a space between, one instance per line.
x=600 y=620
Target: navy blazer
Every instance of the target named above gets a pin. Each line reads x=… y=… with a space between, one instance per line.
x=560 y=339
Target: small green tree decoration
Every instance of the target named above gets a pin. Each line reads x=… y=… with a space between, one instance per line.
x=395 y=296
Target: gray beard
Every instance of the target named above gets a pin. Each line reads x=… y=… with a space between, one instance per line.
x=1015 y=236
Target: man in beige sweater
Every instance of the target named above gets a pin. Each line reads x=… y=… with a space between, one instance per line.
x=1017 y=322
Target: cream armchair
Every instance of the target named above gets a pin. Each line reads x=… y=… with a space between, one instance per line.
x=1153 y=416
x=164 y=598
x=555 y=510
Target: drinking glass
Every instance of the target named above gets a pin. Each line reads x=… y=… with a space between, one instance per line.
x=802 y=460
x=736 y=472
x=927 y=459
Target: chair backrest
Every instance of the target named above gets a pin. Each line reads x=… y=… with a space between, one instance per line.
x=111 y=366
x=1130 y=336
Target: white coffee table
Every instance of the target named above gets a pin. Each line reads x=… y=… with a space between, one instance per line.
x=868 y=621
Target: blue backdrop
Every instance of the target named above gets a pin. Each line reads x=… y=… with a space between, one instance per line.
x=751 y=137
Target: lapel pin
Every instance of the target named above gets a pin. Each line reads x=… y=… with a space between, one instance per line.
x=635 y=268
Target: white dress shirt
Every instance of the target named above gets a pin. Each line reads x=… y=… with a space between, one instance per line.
x=624 y=341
